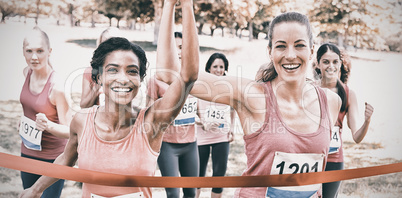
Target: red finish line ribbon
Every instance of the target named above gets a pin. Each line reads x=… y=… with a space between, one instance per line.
x=109 y=179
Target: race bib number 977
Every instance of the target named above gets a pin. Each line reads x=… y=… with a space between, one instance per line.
x=31 y=137
x=293 y=163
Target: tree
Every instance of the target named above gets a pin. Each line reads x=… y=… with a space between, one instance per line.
x=6 y=8
x=346 y=22
x=114 y=9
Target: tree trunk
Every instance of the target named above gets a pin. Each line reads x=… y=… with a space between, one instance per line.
x=250 y=29
x=200 y=28
x=93 y=19
x=212 y=31
x=37 y=11
x=223 y=33
x=158 y=14
x=70 y=12
x=118 y=22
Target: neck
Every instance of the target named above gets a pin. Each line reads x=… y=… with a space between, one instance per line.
x=42 y=73
x=118 y=116
x=328 y=82
x=290 y=91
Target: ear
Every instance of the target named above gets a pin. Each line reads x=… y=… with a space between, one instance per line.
x=99 y=79
x=312 y=52
x=269 y=53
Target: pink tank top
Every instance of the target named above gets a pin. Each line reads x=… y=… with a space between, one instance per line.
x=338 y=156
x=173 y=134
x=33 y=104
x=131 y=155
x=277 y=149
x=213 y=112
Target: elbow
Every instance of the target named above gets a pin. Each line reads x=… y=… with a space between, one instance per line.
x=189 y=77
x=358 y=140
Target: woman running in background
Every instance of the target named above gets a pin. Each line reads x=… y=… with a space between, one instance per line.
x=334 y=74
x=215 y=131
x=91 y=92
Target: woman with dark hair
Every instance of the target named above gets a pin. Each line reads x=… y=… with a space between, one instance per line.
x=286 y=120
x=334 y=74
x=113 y=138
x=215 y=129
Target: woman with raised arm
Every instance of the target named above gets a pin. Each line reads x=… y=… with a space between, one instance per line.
x=179 y=151
x=334 y=71
x=44 y=125
x=114 y=138
x=286 y=119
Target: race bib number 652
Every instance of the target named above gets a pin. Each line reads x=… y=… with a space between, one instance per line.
x=31 y=137
x=187 y=114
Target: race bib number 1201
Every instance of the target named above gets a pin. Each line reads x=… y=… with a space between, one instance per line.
x=293 y=163
x=31 y=137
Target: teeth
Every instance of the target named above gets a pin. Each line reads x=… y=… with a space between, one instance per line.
x=290 y=67
x=119 y=89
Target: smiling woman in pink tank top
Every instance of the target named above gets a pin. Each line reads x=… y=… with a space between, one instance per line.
x=286 y=120
x=114 y=138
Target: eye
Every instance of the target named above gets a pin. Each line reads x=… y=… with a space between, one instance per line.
x=133 y=71
x=40 y=51
x=280 y=46
x=28 y=51
x=111 y=70
x=300 y=45
x=325 y=62
x=336 y=61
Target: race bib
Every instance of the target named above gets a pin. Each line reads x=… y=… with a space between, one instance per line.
x=293 y=163
x=132 y=195
x=31 y=137
x=336 y=141
x=188 y=113
x=218 y=114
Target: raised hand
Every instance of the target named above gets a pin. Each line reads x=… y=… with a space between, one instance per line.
x=368 y=111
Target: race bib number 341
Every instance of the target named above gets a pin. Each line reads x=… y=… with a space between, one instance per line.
x=293 y=163
x=31 y=137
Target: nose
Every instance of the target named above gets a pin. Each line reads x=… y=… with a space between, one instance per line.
x=290 y=53
x=122 y=78
x=34 y=56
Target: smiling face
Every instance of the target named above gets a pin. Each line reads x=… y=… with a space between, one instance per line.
x=217 y=67
x=330 y=65
x=121 y=77
x=290 y=51
x=36 y=51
